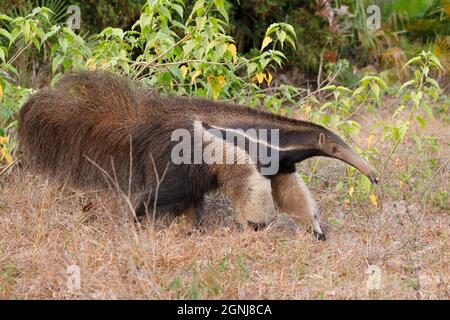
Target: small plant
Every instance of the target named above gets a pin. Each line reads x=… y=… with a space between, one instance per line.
x=441 y=200
x=422 y=84
x=8 y=274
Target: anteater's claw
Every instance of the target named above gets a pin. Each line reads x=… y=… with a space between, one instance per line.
x=320 y=236
x=256 y=226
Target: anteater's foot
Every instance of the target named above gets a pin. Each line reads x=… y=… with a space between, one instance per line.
x=320 y=236
x=256 y=226
x=200 y=230
x=139 y=214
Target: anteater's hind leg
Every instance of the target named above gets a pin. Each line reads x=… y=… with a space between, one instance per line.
x=193 y=212
x=293 y=197
x=140 y=211
x=250 y=192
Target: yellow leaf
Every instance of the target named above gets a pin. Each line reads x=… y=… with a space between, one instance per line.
x=184 y=71
x=3 y=140
x=90 y=63
x=307 y=109
x=104 y=64
x=260 y=77
x=8 y=158
x=269 y=78
x=266 y=42
x=446 y=5
x=400 y=185
x=216 y=87
x=350 y=192
x=346 y=203
x=195 y=75
x=233 y=51
x=6 y=155
x=374 y=200
x=370 y=140
x=221 y=80
x=1 y=93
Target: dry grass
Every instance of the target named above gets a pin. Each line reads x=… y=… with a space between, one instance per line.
x=45 y=228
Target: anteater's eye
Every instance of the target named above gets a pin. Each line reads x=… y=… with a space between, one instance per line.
x=334 y=149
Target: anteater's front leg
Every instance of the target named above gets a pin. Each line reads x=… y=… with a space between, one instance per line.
x=293 y=197
x=250 y=192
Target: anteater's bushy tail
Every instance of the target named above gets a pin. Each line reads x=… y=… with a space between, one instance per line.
x=88 y=115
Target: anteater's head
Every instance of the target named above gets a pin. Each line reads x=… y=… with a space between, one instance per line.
x=331 y=145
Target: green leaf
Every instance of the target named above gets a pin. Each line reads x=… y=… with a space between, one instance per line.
x=199 y=4
x=417 y=97
x=406 y=84
x=251 y=67
x=5 y=17
x=329 y=87
x=365 y=185
x=426 y=107
x=178 y=9
x=27 y=31
x=56 y=62
x=291 y=42
x=422 y=121
x=165 y=13
x=51 y=33
x=281 y=35
x=36 y=43
x=221 y=8
x=11 y=68
x=376 y=90
x=433 y=82
x=358 y=91
x=413 y=60
x=344 y=89
x=290 y=29
x=435 y=61
x=5 y=33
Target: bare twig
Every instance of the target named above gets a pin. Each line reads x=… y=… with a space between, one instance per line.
x=158 y=182
x=435 y=174
x=321 y=88
x=109 y=180
x=16 y=55
x=8 y=167
x=319 y=74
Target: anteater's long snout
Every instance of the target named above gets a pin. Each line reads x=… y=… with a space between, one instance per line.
x=348 y=155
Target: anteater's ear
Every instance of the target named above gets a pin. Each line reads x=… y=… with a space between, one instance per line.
x=321 y=139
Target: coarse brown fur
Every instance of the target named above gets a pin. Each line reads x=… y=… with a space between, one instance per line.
x=94 y=124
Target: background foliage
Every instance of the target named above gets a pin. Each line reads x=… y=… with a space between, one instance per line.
x=315 y=59
x=328 y=30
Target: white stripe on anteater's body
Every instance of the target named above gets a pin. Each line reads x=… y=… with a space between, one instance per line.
x=257 y=140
